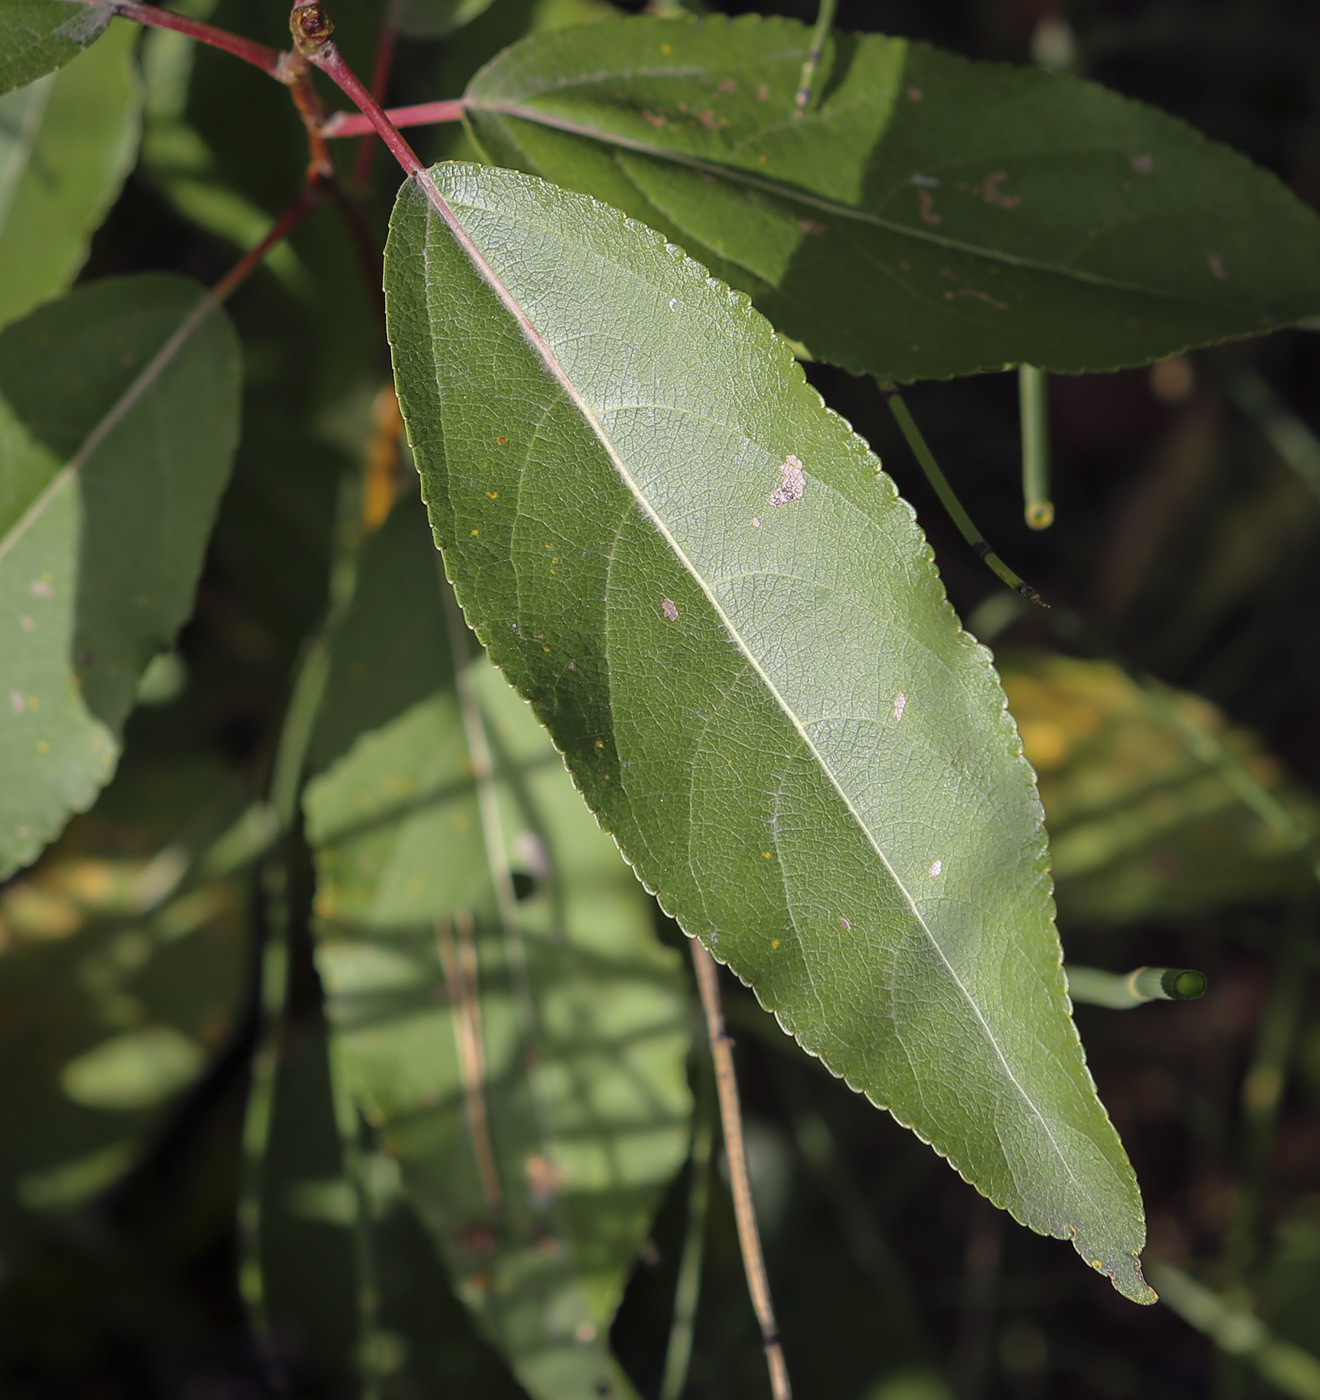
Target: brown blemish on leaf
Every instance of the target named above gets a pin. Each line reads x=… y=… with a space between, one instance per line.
x=709 y=120
x=1216 y=264
x=655 y=119
x=728 y=85
x=982 y=296
x=793 y=482
x=915 y=94
x=811 y=226
x=992 y=194
x=927 y=208
x=1143 y=165
x=762 y=92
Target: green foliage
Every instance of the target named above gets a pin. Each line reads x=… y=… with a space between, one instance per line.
x=66 y=143
x=929 y=216
x=811 y=766
x=38 y=36
x=334 y=967
x=109 y=495
x=1142 y=826
x=523 y=1060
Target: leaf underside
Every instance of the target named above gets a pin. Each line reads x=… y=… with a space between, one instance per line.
x=528 y=1073
x=733 y=629
x=108 y=488
x=930 y=216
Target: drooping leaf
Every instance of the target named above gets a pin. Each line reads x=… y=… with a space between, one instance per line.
x=1140 y=826
x=523 y=1062
x=732 y=627
x=38 y=36
x=929 y=216
x=66 y=144
x=118 y=420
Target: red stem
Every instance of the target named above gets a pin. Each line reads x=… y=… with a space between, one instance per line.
x=307 y=199
x=327 y=58
x=248 y=49
x=423 y=114
x=380 y=81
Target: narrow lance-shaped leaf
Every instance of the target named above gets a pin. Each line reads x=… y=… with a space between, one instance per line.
x=732 y=627
x=66 y=144
x=523 y=1061
x=38 y=36
x=118 y=421
x=929 y=216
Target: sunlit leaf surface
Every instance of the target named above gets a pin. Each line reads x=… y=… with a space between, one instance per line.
x=732 y=627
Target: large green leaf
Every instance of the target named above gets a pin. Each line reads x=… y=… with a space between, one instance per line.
x=66 y=144
x=929 y=216
x=732 y=627
x=118 y=420
x=38 y=36
x=523 y=1061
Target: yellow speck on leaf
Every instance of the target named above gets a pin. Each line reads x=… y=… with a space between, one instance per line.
x=664 y=48
x=476 y=532
x=600 y=743
x=766 y=854
x=494 y=495
x=774 y=943
x=43 y=746
x=501 y=441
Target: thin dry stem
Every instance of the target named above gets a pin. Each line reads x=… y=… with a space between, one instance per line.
x=458 y=957
x=749 y=1240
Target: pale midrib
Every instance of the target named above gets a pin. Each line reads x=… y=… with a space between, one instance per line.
x=844 y=211
x=575 y=396
x=21 y=152
x=122 y=406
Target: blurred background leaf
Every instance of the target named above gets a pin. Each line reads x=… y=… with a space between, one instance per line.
x=498 y=1003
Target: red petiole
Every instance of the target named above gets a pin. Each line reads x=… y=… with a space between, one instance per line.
x=263 y=57
x=422 y=114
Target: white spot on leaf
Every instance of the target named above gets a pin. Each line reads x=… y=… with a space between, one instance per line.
x=900 y=704
x=669 y=608
x=792 y=484
x=936 y=867
x=844 y=924
x=928 y=180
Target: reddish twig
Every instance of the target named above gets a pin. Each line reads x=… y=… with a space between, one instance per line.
x=263 y=57
x=343 y=124
x=312 y=193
